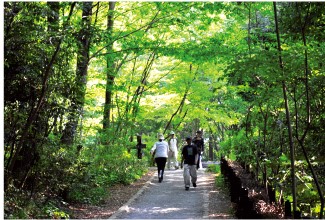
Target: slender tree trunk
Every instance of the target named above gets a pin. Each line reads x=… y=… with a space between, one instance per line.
x=139 y=92
x=249 y=29
x=177 y=110
x=265 y=118
x=132 y=104
x=308 y=112
x=181 y=103
x=110 y=66
x=135 y=101
x=184 y=115
x=211 y=145
x=78 y=99
x=284 y=88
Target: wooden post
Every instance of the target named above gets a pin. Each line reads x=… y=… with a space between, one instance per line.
x=139 y=146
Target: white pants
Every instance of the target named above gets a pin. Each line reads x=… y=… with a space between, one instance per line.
x=189 y=174
x=172 y=158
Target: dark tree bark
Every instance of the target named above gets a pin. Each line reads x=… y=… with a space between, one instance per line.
x=301 y=140
x=110 y=73
x=284 y=88
x=78 y=99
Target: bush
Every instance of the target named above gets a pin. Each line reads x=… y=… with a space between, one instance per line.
x=108 y=165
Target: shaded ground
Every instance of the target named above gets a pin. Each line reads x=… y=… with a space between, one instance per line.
x=119 y=195
x=147 y=198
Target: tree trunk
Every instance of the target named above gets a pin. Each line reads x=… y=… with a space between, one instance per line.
x=77 y=102
x=284 y=88
x=308 y=112
x=35 y=110
x=179 y=109
x=211 y=145
x=110 y=65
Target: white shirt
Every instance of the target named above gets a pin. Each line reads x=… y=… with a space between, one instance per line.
x=173 y=144
x=161 y=148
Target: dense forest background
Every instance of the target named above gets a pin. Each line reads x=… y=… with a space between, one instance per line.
x=82 y=79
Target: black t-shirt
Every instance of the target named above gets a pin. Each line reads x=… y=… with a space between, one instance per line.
x=189 y=152
x=199 y=143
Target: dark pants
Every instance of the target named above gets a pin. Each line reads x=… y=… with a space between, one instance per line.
x=198 y=161
x=161 y=163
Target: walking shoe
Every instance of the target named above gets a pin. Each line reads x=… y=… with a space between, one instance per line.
x=187 y=188
x=160 y=179
x=194 y=184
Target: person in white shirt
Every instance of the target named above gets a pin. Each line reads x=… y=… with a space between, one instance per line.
x=160 y=149
x=173 y=153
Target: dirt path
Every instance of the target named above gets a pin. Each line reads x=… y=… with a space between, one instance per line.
x=169 y=200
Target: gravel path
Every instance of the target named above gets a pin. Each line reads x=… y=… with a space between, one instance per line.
x=170 y=200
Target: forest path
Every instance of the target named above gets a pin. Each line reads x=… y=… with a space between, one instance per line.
x=170 y=200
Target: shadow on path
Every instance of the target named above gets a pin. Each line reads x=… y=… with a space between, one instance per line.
x=169 y=199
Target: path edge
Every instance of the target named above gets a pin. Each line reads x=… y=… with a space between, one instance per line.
x=126 y=205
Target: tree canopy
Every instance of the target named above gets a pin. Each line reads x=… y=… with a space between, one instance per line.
x=81 y=79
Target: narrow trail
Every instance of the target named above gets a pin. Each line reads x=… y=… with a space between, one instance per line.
x=170 y=200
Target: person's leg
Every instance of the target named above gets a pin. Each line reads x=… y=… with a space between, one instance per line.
x=163 y=164
x=175 y=161
x=193 y=174
x=169 y=160
x=186 y=175
x=199 y=161
x=158 y=161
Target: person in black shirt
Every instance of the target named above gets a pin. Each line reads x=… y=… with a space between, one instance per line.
x=199 y=142
x=190 y=159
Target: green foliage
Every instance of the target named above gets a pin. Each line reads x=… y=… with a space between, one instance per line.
x=214 y=168
x=104 y=170
x=14 y=206
x=88 y=193
x=178 y=66
x=219 y=180
x=20 y=206
x=54 y=212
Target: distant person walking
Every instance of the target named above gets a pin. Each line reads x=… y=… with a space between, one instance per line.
x=199 y=143
x=173 y=153
x=160 y=149
x=190 y=159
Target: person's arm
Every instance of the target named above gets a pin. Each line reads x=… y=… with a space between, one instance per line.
x=153 y=148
